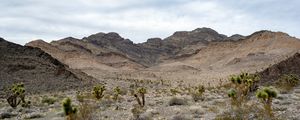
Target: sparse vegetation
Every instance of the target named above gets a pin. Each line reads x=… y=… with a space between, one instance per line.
x=288 y=81
x=197 y=93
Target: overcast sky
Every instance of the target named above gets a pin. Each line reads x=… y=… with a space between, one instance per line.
x=24 y=20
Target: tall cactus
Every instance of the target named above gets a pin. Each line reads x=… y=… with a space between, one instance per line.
x=266 y=95
x=68 y=109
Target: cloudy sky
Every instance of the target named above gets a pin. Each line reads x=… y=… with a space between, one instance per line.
x=24 y=20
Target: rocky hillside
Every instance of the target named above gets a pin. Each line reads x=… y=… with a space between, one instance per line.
x=36 y=69
x=201 y=55
x=289 y=66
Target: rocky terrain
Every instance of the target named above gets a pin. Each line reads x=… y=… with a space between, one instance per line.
x=37 y=70
x=201 y=55
x=170 y=70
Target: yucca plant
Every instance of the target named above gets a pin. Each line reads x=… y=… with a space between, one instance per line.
x=141 y=93
x=17 y=96
x=68 y=109
x=266 y=95
x=98 y=91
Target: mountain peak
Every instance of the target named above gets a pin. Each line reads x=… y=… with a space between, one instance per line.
x=205 y=30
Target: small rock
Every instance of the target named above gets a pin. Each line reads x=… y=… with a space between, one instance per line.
x=7 y=115
x=60 y=114
x=177 y=101
x=181 y=117
x=34 y=115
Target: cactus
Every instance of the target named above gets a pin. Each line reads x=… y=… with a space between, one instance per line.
x=141 y=91
x=18 y=91
x=98 y=91
x=266 y=95
x=68 y=109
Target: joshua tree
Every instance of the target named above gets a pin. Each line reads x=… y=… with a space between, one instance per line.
x=266 y=95
x=68 y=109
x=242 y=84
x=17 y=96
x=98 y=91
x=141 y=91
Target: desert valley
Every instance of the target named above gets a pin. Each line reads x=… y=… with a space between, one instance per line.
x=191 y=75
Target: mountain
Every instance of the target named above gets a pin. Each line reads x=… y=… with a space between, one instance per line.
x=39 y=71
x=202 y=55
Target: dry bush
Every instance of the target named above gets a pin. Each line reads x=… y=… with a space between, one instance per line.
x=85 y=111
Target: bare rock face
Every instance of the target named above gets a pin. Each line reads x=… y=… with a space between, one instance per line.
x=39 y=71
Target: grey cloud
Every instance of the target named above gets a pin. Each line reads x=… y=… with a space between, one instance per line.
x=24 y=20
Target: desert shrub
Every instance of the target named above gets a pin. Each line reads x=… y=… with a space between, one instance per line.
x=17 y=96
x=197 y=93
x=266 y=95
x=48 y=100
x=288 y=81
x=117 y=92
x=98 y=91
x=177 y=101
x=136 y=111
x=85 y=111
x=174 y=91
x=69 y=110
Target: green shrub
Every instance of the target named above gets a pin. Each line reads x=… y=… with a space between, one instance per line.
x=68 y=109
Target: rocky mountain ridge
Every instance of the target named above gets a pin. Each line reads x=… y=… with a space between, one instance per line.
x=201 y=55
x=39 y=71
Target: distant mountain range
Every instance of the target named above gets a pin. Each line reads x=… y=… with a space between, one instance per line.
x=198 y=56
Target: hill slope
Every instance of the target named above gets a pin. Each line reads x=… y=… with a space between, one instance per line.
x=36 y=69
x=201 y=55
